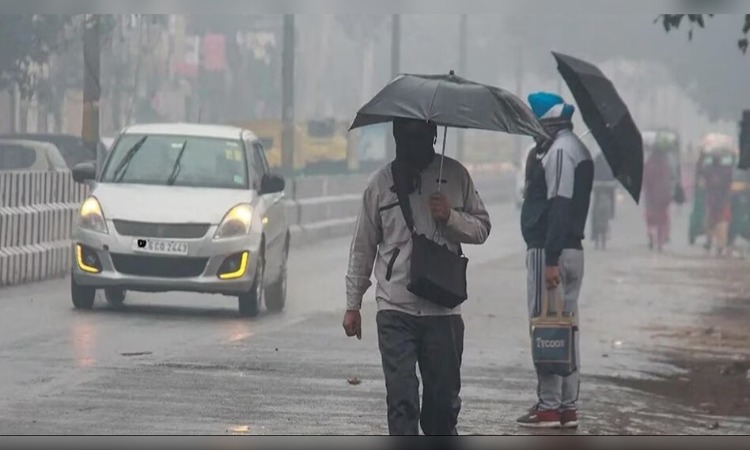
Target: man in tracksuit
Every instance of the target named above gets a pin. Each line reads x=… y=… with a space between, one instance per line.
x=412 y=330
x=553 y=219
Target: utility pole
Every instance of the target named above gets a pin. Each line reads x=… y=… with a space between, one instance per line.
x=463 y=50
x=519 y=91
x=395 y=70
x=395 y=45
x=287 y=95
x=91 y=85
x=14 y=109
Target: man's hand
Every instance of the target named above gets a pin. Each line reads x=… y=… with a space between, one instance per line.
x=439 y=207
x=552 y=277
x=353 y=324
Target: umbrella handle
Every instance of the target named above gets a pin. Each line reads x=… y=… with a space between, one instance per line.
x=442 y=158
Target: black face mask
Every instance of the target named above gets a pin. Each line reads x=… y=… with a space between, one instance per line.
x=415 y=147
x=415 y=140
x=552 y=127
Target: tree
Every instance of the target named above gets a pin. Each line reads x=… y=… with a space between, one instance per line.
x=28 y=40
x=673 y=21
x=365 y=30
x=707 y=68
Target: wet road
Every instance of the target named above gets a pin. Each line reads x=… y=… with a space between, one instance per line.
x=186 y=364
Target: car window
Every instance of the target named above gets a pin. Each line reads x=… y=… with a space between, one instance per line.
x=205 y=162
x=259 y=154
x=256 y=168
x=72 y=148
x=16 y=157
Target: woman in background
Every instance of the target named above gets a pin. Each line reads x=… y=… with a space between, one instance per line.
x=658 y=189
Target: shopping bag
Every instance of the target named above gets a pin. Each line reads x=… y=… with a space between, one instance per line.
x=553 y=338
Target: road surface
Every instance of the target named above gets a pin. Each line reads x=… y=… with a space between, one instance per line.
x=187 y=364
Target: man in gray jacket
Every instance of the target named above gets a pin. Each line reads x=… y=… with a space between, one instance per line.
x=412 y=330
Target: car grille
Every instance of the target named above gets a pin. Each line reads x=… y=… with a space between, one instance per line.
x=159 y=266
x=161 y=230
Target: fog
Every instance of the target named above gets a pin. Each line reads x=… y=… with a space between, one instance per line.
x=149 y=67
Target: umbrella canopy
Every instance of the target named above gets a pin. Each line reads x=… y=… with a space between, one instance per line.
x=450 y=101
x=608 y=118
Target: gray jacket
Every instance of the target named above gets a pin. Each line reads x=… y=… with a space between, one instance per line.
x=383 y=240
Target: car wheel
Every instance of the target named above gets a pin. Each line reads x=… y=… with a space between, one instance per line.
x=115 y=297
x=83 y=297
x=276 y=293
x=249 y=302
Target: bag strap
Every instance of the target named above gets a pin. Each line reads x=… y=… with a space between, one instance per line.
x=405 y=205
x=559 y=302
x=403 y=199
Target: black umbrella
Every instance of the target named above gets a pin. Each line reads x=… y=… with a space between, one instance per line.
x=449 y=101
x=608 y=119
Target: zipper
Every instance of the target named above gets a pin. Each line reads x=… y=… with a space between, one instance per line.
x=389 y=271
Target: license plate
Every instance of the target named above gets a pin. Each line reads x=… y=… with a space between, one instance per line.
x=160 y=246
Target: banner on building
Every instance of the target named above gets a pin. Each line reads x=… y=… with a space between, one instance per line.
x=214 y=52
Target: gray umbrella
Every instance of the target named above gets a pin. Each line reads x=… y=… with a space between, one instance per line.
x=450 y=101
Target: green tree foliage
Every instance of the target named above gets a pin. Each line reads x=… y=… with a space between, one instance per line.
x=709 y=67
x=673 y=21
x=25 y=41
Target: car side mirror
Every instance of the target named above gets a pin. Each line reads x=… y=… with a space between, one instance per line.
x=84 y=172
x=272 y=184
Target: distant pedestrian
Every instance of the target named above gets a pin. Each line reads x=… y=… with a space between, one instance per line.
x=605 y=181
x=658 y=190
x=603 y=201
x=553 y=219
x=718 y=178
x=412 y=330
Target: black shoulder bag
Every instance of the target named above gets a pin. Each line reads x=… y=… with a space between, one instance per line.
x=437 y=273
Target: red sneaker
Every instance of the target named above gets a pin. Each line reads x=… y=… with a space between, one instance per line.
x=569 y=418
x=538 y=418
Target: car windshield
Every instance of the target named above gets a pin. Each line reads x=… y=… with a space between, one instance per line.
x=162 y=160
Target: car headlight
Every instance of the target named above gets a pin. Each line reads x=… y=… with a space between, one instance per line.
x=237 y=222
x=91 y=217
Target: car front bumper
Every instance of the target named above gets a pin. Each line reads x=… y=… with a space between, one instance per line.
x=123 y=267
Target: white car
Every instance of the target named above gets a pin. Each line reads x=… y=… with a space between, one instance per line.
x=108 y=141
x=19 y=154
x=182 y=207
